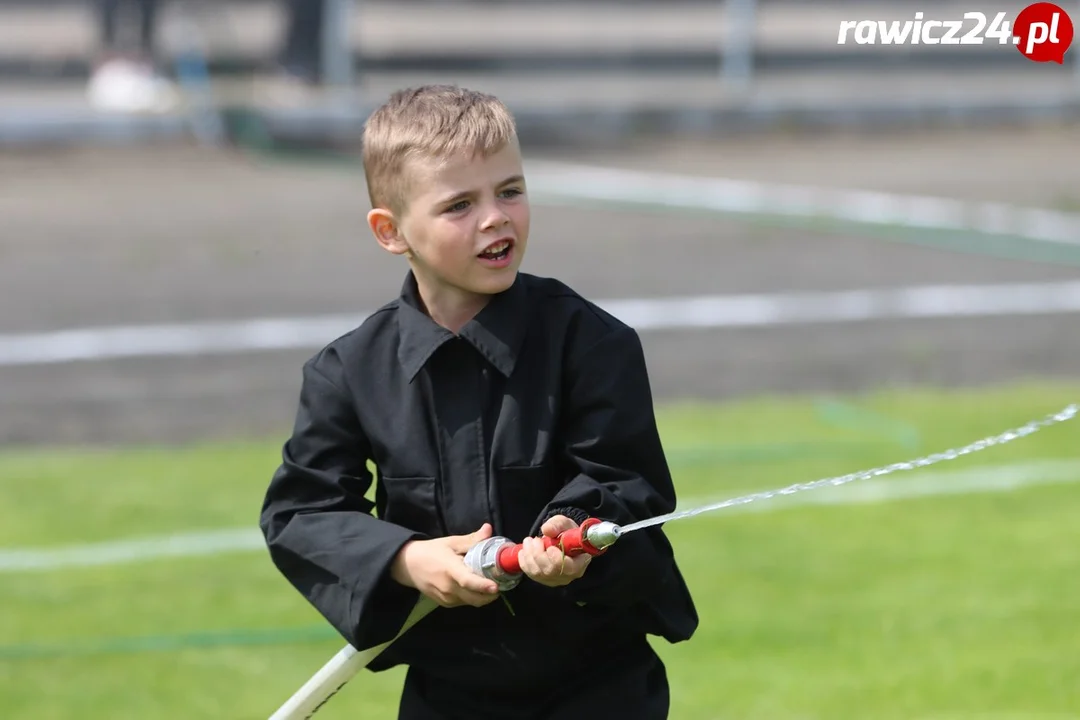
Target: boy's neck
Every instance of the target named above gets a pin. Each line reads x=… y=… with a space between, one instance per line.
x=452 y=310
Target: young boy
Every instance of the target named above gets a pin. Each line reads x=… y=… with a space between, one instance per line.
x=489 y=401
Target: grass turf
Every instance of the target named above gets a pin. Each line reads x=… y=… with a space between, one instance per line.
x=956 y=606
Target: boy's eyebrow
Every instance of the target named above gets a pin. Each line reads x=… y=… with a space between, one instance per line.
x=467 y=193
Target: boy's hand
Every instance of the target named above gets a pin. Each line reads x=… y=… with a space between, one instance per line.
x=550 y=566
x=437 y=569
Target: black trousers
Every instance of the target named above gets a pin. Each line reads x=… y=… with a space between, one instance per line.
x=301 y=51
x=637 y=691
x=110 y=17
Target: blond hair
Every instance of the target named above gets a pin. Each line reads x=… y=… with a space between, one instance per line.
x=432 y=122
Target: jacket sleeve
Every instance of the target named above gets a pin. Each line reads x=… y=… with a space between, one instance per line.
x=620 y=471
x=318 y=525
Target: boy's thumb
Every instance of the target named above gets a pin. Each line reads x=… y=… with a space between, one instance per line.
x=464 y=543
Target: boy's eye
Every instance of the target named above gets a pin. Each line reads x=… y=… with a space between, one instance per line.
x=462 y=205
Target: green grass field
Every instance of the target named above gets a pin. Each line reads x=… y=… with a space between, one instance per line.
x=943 y=606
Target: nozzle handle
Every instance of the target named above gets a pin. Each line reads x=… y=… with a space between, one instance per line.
x=574 y=541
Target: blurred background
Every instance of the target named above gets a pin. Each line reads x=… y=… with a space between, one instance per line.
x=201 y=166
x=838 y=256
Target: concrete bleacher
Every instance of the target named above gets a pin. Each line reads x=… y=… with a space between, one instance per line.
x=58 y=36
x=599 y=64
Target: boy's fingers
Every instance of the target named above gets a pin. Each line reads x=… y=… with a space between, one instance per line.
x=471 y=582
x=527 y=558
x=475 y=599
x=540 y=559
x=555 y=556
x=555 y=564
x=547 y=560
x=576 y=566
x=461 y=544
x=557 y=524
x=464 y=597
x=550 y=564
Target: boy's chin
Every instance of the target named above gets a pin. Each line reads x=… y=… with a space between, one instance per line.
x=497 y=282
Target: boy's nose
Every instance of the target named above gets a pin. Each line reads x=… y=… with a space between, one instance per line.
x=495 y=218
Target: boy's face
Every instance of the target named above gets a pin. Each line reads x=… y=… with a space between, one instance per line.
x=466 y=225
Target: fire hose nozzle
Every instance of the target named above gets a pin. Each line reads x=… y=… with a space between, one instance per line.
x=483 y=559
x=497 y=557
x=603 y=534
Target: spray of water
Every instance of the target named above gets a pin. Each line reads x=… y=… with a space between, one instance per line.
x=1008 y=436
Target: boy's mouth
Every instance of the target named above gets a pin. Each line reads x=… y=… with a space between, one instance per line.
x=497 y=250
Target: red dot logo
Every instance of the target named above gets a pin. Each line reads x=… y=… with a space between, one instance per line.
x=1043 y=32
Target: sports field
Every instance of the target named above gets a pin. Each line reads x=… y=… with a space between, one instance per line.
x=133 y=582
x=941 y=592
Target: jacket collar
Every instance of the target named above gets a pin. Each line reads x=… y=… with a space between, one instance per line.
x=497 y=332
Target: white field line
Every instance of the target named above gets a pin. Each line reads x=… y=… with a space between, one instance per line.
x=987 y=479
x=553 y=181
x=702 y=311
x=122 y=552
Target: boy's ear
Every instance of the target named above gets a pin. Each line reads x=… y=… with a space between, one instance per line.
x=385 y=228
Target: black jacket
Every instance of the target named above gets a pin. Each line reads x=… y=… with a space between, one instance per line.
x=541 y=405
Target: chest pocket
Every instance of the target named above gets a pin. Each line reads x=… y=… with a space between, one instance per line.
x=411 y=503
x=524 y=491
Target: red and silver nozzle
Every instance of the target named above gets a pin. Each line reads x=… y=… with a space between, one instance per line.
x=497 y=557
x=603 y=534
x=483 y=559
